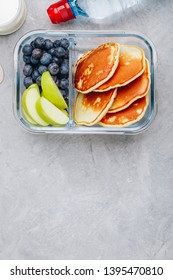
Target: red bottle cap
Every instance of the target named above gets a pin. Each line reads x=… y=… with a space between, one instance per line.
x=60 y=12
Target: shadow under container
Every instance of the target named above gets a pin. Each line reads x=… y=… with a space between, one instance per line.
x=80 y=43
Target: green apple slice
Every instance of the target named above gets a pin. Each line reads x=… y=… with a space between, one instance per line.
x=29 y=99
x=65 y=112
x=51 y=91
x=50 y=113
x=27 y=117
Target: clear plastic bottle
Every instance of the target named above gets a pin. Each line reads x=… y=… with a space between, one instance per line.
x=65 y=10
x=101 y=9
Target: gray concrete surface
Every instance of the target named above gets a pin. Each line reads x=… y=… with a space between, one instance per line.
x=89 y=197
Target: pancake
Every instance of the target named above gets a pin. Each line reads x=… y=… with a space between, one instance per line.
x=128 y=94
x=90 y=108
x=97 y=66
x=130 y=115
x=131 y=65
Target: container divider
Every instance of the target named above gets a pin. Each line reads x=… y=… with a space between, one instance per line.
x=71 y=123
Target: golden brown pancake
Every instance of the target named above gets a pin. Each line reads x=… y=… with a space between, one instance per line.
x=90 y=108
x=131 y=65
x=128 y=94
x=96 y=67
x=128 y=116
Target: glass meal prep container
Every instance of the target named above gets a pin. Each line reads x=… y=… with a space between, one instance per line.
x=80 y=43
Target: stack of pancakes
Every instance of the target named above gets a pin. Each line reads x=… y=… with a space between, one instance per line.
x=113 y=83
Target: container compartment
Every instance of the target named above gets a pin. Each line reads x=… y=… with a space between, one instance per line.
x=81 y=42
x=20 y=88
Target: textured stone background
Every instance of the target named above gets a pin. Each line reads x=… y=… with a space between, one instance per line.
x=89 y=197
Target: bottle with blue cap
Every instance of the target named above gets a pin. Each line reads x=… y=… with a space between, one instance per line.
x=65 y=10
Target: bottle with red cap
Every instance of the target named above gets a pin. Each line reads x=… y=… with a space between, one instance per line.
x=65 y=10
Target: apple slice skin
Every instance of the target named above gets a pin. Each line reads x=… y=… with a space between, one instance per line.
x=65 y=112
x=29 y=99
x=34 y=86
x=49 y=112
x=51 y=91
x=27 y=117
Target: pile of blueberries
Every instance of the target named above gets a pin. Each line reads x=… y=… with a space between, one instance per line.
x=45 y=55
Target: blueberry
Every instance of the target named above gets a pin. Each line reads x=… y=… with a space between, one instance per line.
x=66 y=99
x=62 y=76
x=27 y=49
x=38 y=80
x=63 y=92
x=35 y=75
x=33 y=44
x=37 y=53
x=42 y=69
x=59 y=52
x=57 y=60
x=48 y=44
x=64 y=83
x=57 y=82
x=27 y=81
x=39 y=43
x=54 y=78
x=46 y=59
x=64 y=43
x=27 y=58
x=34 y=60
x=27 y=70
x=66 y=62
x=51 y=51
x=53 y=68
x=57 y=43
x=64 y=69
x=66 y=54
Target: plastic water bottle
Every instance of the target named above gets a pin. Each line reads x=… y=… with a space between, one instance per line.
x=65 y=10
